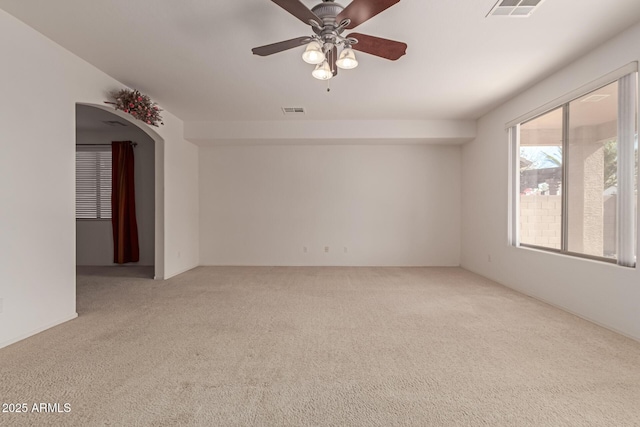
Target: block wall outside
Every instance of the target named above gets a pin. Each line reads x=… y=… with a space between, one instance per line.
x=541 y=220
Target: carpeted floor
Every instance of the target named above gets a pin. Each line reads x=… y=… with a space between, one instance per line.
x=244 y=346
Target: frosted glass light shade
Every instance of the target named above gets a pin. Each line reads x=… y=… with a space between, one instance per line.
x=347 y=59
x=322 y=71
x=313 y=54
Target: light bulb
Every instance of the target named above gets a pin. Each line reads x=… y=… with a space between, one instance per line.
x=347 y=59
x=322 y=71
x=313 y=54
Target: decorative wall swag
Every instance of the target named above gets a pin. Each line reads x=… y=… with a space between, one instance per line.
x=138 y=105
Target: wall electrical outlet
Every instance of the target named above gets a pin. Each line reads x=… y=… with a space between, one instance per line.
x=305 y=249
x=326 y=249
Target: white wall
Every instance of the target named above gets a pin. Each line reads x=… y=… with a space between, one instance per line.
x=389 y=205
x=41 y=83
x=94 y=238
x=604 y=293
x=297 y=131
x=182 y=234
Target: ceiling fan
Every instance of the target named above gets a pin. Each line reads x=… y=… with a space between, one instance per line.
x=328 y=20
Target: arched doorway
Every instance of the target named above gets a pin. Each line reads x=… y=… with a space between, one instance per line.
x=96 y=126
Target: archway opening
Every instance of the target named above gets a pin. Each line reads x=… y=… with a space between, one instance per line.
x=96 y=127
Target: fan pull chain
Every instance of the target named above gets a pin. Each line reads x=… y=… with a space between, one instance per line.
x=328 y=85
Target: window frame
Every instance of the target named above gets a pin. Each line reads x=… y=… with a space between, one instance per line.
x=628 y=221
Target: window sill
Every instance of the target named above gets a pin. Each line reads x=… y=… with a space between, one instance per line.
x=572 y=255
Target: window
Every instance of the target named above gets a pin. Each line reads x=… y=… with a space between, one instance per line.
x=541 y=180
x=574 y=172
x=93 y=182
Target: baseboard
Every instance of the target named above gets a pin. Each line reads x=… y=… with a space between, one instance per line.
x=559 y=307
x=602 y=325
x=338 y=265
x=169 y=276
x=37 y=331
x=113 y=264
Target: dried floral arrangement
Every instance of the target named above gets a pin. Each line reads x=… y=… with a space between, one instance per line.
x=138 y=105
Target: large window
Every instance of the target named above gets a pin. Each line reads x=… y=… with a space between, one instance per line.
x=575 y=175
x=93 y=182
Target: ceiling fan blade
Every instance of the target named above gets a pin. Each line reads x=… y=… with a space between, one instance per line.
x=384 y=48
x=299 y=10
x=270 y=49
x=333 y=56
x=360 y=11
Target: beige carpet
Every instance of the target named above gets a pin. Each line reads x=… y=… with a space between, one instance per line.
x=250 y=346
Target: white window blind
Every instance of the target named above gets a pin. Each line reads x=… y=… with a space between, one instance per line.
x=93 y=182
x=626 y=172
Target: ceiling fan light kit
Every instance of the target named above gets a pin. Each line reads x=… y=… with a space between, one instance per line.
x=347 y=59
x=322 y=71
x=313 y=54
x=328 y=20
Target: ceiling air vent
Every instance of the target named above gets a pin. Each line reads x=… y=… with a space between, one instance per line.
x=114 y=123
x=595 y=97
x=515 y=8
x=292 y=111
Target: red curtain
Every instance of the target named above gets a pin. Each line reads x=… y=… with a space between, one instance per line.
x=123 y=204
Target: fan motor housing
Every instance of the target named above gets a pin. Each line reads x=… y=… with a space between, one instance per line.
x=327 y=11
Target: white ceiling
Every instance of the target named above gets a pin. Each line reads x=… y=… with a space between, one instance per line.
x=194 y=56
x=97 y=120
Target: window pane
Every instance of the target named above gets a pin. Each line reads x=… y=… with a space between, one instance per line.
x=541 y=180
x=592 y=169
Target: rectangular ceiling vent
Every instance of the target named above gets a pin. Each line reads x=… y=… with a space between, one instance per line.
x=114 y=123
x=515 y=8
x=595 y=97
x=292 y=111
